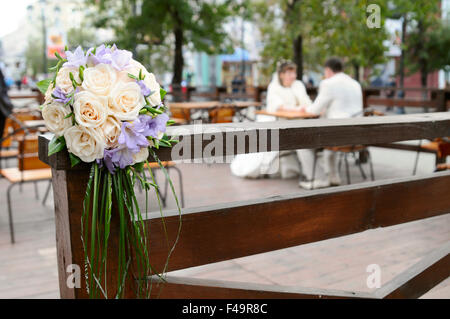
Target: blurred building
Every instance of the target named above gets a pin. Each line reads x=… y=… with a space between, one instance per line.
x=52 y=18
x=220 y=70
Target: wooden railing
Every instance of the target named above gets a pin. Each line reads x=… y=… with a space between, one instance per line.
x=221 y=232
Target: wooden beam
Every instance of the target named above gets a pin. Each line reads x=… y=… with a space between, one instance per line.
x=402 y=102
x=421 y=277
x=193 y=288
x=404 y=147
x=290 y=135
x=226 y=231
x=412 y=283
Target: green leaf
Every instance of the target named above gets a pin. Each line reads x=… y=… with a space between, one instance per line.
x=58 y=56
x=56 y=145
x=68 y=115
x=74 y=160
x=132 y=76
x=153 y=110
x=43 y=85
x=164 y=143
x=162 y=92
x=81 y=73
x=139 y=166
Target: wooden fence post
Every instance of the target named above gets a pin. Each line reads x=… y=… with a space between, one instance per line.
x=69 y=188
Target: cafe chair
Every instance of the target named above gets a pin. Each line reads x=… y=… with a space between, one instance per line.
x=222 y=115
x=344 y=152
x=169 y=165
x=439 y=146
x=30 y=169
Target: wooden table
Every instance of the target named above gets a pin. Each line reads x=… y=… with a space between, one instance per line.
x=34 y=123
x=194 y=105
x=290 y=115
x=206 y=106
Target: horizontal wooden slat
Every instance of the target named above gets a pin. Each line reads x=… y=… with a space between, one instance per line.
x=404 y=147
x=411 y=283
x=402 y=102
x=295 y=134
x=193 y=288
x=227 y=231
x=421 y=277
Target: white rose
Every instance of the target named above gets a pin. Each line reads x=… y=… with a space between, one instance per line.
x=125 y=101
x=53 y=115
x=141 y=156
x=84 y=142
x=134 y=68
x=99 y=79
x=150 y=82
x=90 y=110
x=111 y=130
x=63 y=80
x=48 y=98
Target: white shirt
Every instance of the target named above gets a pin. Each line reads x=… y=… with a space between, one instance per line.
x=293 y=97
x=339 y=97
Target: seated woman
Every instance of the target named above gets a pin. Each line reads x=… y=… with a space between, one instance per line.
x=285 y=92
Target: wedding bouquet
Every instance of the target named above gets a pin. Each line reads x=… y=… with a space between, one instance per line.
x=106 y=109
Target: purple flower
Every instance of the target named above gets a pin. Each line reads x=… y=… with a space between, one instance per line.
x=144 y=89
x=102 y=55
x=76 y=59
x=154 y=126
x=120 y=59
x=133 y=135
x=60 y=96
x=117 y=157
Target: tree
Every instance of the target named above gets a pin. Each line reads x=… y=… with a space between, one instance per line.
x=308 y=32
x=426 y=42
x=83 y=36
x=170 y=23
x=33 y=57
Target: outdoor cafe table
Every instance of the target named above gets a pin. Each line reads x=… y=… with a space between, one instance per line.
x=289 y=115
x=205 y=106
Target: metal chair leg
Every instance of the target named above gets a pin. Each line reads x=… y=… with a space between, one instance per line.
x=416 y=162
x=347 y=170
x=358 y=163
x=47 y=192
x=372 y=174
x=36 y=191
x=181 y=185
x=313 y=175
x=10 y=217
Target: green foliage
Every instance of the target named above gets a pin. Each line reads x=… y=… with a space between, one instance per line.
x=34 y=57
x=56 y=145
x=427 y=40
x=328 y=28
x=83 y=36
x=152 y=33
x=74 y=160
x=43 y=85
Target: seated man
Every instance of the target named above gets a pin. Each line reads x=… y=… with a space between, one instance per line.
x=339 y=96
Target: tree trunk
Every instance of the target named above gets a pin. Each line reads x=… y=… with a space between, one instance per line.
x=178 y=65
x=401 y=69
x=298 y=55
x=178 y=62
x=356 y=71
x=423 y=67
